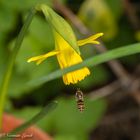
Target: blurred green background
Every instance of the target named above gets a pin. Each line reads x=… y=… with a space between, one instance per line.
x=65 y=123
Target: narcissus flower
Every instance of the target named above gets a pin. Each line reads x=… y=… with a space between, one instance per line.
x=67 y=57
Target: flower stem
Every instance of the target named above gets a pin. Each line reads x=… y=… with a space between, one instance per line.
x=12 y=57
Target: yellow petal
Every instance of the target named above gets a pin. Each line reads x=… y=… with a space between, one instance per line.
x=39 y=59
x=68 y=57
x=90 y=39
x=75 y=76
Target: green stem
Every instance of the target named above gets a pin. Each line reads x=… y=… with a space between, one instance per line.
x=8 y=71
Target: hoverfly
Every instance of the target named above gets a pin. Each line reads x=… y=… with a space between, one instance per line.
x=80 y=100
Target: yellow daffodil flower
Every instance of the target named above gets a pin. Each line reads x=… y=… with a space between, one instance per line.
x=67 y=57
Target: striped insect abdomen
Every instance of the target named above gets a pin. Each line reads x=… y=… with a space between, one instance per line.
x=80 y=100
x=80 y=105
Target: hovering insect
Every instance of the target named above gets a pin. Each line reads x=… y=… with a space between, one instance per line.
x=80 y=100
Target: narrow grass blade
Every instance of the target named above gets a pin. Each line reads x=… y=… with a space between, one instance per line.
x=11 y=60
x=96 y=60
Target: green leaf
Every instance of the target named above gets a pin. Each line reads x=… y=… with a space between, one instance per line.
x=66 y=114
x=20 y=5
x=66 y=120
x=99 y=59
x=26 y=112
x=35 y=43
x=60 y=25
x=3 y=59
x=65 y=137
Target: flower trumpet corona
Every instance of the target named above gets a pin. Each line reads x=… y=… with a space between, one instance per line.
x=67 y=57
